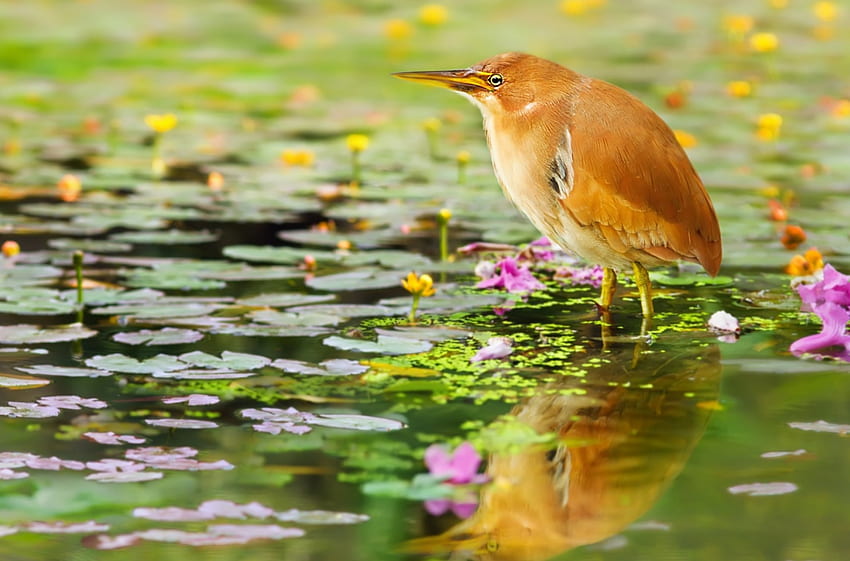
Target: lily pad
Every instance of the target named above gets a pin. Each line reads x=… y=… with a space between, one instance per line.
x=273 y=254
x=284 y=299
x=29 y=334
x=89 y=245
x=66 y=371
x=165 y=336
x=362 y=279
x=291 y=319
x=387 y=345
x=229 y=360
x=123 y=363
x=18 y=382
x=331 y=367
x=165 y=237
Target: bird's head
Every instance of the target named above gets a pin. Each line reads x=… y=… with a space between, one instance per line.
x=506 y=83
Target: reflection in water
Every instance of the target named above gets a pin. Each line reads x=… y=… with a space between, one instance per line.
x=623 y=442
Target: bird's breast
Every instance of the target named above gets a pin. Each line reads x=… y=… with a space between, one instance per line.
x=523 y=169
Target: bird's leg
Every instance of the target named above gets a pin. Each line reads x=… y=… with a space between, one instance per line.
x=609 y=286
x=644 y=288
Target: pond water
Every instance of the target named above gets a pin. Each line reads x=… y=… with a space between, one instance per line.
x=242 y=379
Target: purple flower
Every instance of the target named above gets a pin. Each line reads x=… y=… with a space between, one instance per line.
x=458 y=468
x=832 y=334
x=497 y=347
x=437 y=507
x=581 y=275
x=834 y=287
x=829 y=298
x=512 y=278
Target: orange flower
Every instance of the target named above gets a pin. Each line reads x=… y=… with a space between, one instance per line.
x=69 y=188
x=215 y=181
x=739 y=88
x=777 y=211
x=793 y=236
x=10 y=248
x=806 y=264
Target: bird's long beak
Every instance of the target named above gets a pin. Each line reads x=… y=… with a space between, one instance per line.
x=460 y=80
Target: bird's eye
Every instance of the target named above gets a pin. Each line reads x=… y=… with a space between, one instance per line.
x=495 y=80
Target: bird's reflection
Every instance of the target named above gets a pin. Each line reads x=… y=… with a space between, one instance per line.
x=622 y=442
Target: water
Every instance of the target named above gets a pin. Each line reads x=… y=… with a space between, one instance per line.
x=601 y=443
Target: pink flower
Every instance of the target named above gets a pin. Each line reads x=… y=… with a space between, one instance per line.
x=512 y=278
x=497 y=347
x=458 y=468
x=833 y=332
x=829 y=299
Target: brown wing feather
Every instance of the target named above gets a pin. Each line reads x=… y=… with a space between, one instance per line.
x=633 y=182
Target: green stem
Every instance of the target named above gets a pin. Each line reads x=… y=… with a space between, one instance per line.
x=461 y=173
x=355 y=167
x=78 y=271
x=444 y=240
x=413 y=307
x=432 y=144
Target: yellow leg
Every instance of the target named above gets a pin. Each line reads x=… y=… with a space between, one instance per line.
x=644 y=288
x=609 y=286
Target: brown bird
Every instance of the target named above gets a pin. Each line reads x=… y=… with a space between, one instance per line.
x=593 y=168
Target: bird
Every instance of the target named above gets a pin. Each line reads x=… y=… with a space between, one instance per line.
x=591 y=166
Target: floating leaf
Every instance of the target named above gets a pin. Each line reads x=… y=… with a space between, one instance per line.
x=148 y=310
x=18 y=382
x=290 y=319
x=272 y=254
x=231 y=360
x=352 y=310
x=67 y=371
x=165 y=237
x=333 y=367
x=125 y=476
x=364 y=279
x=89 y=245
x=29 y=334
x=284 y=299
x=165 y=336
x=385 y=344
x=763 y=489
x=821 y=426
x=182 y=423
x=123 y=363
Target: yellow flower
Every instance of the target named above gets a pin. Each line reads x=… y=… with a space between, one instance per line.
x=463 y=157
x=304 y=158
x=69 y=188
x=841 y=109
x=769 y=126
x=215 y=181
x=825 y=11
x=433 y=14
x=579 y=7
x=444 y=215
x=764 y=42
x=739 y=88
x=397 y=29
x=10 y=248
x=806 y=264
x=431 y=125
x=161 y=123
x=685 y=139
x=778 y=4
x=357 y=142
x=422 y=285
x=738 y=24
